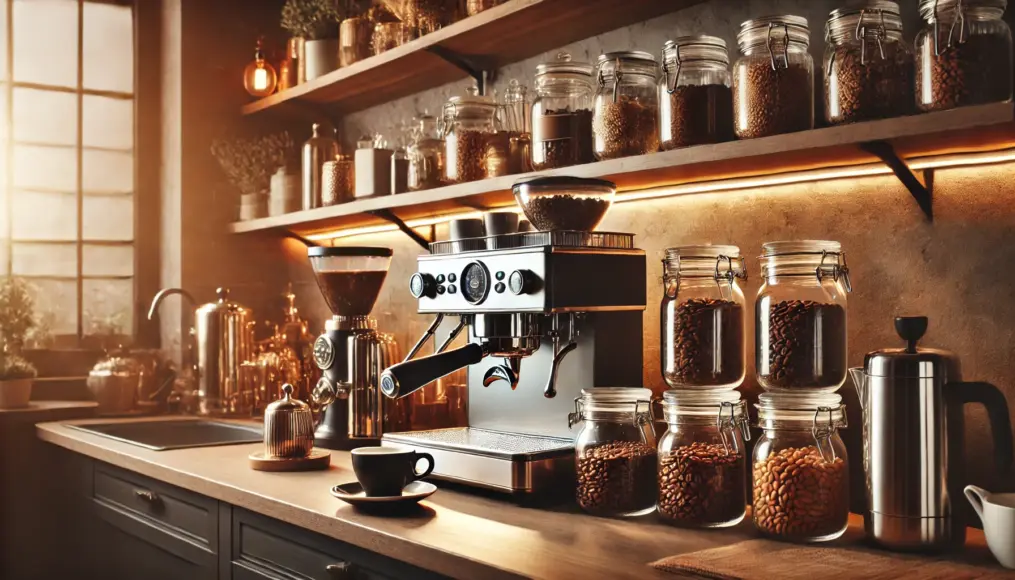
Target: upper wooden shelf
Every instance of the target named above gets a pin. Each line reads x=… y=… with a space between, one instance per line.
x=513 y=31
x=967 y=130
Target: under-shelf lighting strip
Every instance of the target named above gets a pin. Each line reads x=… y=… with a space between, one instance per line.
x=739 y=183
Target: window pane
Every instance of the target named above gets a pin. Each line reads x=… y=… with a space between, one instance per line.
x=44 y=216
x=108 y=122
x=46 y=42
x=109 y=218
x=108 y=48
x=59 y=297
x=45 y=117
x=108 y=306
x=3 y=40
x=102 y=260
x=108 y=171
x=45 y=260
x=38 y=167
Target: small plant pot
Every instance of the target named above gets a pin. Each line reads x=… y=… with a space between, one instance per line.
x=321 y=57
x=15 y=393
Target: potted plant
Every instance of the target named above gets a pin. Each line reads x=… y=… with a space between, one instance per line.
x=17 y=318
x=248 y=164
x=316 y=22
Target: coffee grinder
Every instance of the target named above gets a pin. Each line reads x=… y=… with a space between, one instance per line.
x=547 y=314
x=351 y=353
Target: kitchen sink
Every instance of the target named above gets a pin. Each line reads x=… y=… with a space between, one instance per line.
x=175 y=434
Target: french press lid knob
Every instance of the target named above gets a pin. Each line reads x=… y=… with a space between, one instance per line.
x=911 y=329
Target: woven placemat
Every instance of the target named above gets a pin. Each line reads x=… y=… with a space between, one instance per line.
x=767 y=559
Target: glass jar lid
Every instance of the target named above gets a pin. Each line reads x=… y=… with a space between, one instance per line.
x=616 y=64
x=693 y=51
x=777 y=32
x=870 y=20
x=637 y=402
x=810 y=408
x=722 y=262
x=681 y=402
x=820 y=258
x=564 y=66
x=933 y=10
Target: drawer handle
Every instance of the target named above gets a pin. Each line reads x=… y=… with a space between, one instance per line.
x=148 y=496
x=343 y=571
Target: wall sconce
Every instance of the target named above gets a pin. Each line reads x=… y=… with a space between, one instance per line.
x=259 y=78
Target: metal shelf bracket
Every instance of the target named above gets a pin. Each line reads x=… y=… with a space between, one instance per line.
x=921 y=188
x=388 y=216
x=479 y=68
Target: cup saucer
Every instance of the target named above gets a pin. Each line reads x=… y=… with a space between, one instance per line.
x=353 y=493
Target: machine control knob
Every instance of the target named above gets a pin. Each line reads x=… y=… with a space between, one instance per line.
x=421 y=285
x=522 y=282
x=324 y=393
x=324 y=352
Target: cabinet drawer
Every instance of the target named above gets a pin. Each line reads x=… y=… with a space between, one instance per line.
x=174 y=511
x=267 y=548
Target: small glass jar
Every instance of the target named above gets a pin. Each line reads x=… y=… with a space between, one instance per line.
x=355 y=37
x=964 y=54
x=615 y=451
x=800 y=316
x=801 y=469
x=702 y=459
x=466 y=125
x=562 y=114
x=625 y=114
x=773 y=81
x=695 y=99
x=426 y=155
x=338 y=180
x=702 y=318
x=868 y=67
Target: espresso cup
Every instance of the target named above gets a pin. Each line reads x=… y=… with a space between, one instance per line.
x=997 y=511
x=384 y=471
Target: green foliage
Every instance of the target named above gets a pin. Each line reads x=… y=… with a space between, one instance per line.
x=250 y=162
x=311 y=19
x=14 y=367
x=17 y=313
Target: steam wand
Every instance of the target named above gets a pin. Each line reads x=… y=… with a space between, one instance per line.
x=550 y=391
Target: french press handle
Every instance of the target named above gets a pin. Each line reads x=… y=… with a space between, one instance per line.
x=994 y=401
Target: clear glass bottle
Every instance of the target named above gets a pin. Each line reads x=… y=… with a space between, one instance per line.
x=615 y=451
x=702 y=459
x=426 y=155
x=695 y=99
x=466 y=125
x=702 y=318
x=964 y=54
x=562 y=114
x=800 y=316
x=868 y=66
x=801 y=469
x=625 y=113
x=773 y=81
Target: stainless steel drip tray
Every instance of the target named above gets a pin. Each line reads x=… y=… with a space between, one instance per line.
x=174 y=434
x=510 y=462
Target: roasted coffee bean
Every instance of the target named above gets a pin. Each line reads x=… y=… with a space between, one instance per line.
x=973 y=72
x=771 y=101
x=702 y=485
x=799 y=495
x=561 y=138
x=466 y=155
x=617 y=478
x=707 y=345
x=565 y=212
x=626 y=127
x=865 y=87
x=805 y=346
x=699 y=114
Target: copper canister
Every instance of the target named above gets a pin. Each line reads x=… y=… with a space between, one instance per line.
x=288 y=427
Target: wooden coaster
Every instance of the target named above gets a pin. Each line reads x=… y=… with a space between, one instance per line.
x=318 y=459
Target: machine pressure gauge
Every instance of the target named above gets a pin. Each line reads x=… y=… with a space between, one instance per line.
x=324 y=352
x=475 y=282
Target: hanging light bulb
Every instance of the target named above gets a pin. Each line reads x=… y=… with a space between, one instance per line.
x=259 y=77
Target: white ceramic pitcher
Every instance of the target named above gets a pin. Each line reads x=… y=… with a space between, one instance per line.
x=997 y=511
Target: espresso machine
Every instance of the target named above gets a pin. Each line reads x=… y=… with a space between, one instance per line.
x=352 y=353
x=547 y=314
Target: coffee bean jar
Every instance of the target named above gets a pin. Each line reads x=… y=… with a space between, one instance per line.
x=702 y=459
x=964 y=54
x=562 y=114
x=702 y=318
x=467 y=125
x=773 y=81
x=625 y=114
x=801 y=470
x=800 y=316
x=868 y=67
x=695 y=99
x=615 y=451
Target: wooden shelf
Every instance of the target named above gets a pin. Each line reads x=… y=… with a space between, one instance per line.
x=971 y=129
x=513 y=31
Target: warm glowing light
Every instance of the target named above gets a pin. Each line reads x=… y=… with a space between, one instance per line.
x=259 y=78
x=740 y=183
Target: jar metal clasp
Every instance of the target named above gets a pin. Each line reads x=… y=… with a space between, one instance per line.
x=575 y=417
x=671 y=278
x=959 y=20
x=448 y=115
x=879 y=33
x=727 y=426
x=785 y=45
x=839 y=269
x=822 y=432
x=671 y=85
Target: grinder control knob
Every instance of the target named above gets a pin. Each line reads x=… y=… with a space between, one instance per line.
x=522 y=282
x=421 y=285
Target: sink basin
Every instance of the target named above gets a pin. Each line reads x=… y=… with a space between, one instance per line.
x=176 y=434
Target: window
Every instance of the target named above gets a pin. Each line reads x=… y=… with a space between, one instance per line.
x=67 y=160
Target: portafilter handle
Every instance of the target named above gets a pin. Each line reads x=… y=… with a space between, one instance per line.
x=408 y=377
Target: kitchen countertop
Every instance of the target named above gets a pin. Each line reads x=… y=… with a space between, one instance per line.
x=38 y=411
x=458 y=534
